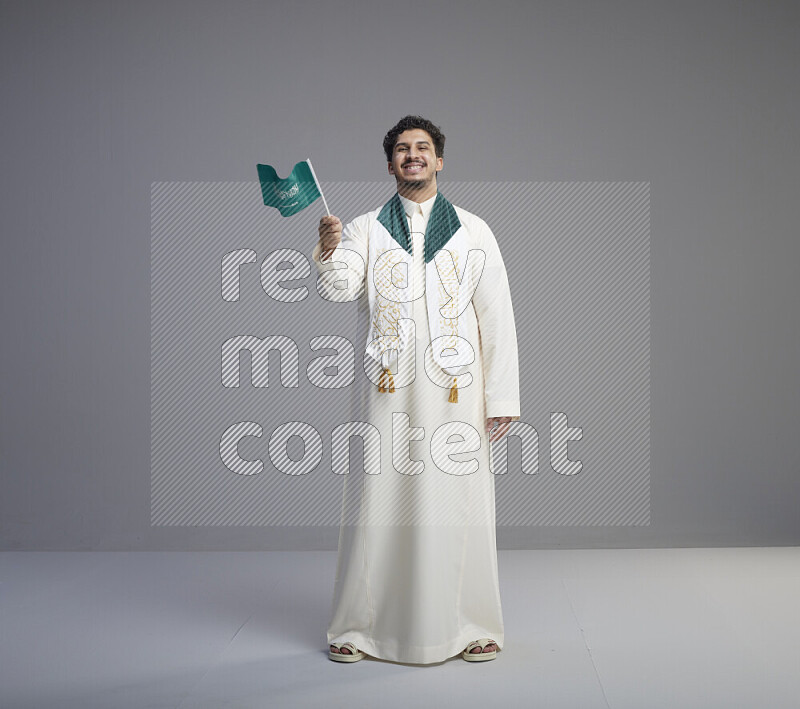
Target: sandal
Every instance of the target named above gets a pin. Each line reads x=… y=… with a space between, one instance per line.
x=479 y=656
x=355 y=655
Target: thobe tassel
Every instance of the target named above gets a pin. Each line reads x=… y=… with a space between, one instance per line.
x=382 y=385
x=453 y=398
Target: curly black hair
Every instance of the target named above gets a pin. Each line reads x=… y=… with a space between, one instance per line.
x=409 y=123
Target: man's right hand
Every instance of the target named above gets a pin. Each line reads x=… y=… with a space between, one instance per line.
x=330 y=235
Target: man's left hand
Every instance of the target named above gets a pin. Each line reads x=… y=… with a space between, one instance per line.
x=502 y=423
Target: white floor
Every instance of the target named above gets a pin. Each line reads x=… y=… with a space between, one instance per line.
x=633 y=628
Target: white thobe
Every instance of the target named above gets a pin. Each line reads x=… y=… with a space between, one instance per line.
x=416 y=577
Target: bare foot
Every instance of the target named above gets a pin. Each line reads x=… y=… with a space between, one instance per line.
x=491 y=646
x=343 y=651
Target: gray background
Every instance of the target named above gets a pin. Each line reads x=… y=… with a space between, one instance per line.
x=102 y=99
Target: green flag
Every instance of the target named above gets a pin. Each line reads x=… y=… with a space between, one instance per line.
x=290 y=195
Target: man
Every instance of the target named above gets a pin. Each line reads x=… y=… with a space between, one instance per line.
x=416 y=577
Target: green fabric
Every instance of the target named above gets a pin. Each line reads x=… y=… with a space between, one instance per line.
x=442 y=224
x=393 y=217
x=291 y=195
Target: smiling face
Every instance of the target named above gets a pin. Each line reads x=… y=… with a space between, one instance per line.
x=414 y=165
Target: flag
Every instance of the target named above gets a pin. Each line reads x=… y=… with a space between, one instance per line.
x=290 y=195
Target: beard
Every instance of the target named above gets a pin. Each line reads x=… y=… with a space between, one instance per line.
x=418 y=184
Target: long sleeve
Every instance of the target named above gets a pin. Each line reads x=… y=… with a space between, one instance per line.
x=344 y=281
x=498 y=334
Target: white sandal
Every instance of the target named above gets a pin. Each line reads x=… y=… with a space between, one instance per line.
x=339 y=657
x=479 y=656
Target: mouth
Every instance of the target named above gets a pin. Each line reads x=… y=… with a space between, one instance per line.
x=413 y=167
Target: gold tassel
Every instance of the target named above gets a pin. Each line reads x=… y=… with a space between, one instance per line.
x=453 y=399
x=382 y=384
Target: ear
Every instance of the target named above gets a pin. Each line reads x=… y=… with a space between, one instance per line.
x=439 y=164
x=391 y=169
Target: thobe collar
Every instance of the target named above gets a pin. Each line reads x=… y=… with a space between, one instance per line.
x=443 y=221
x=410 y=207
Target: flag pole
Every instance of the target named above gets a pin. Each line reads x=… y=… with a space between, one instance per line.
x=314 y=175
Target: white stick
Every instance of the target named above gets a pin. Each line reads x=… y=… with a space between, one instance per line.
x=314 y=175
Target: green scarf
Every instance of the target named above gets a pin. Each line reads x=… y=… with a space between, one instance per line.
x=442 y=224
